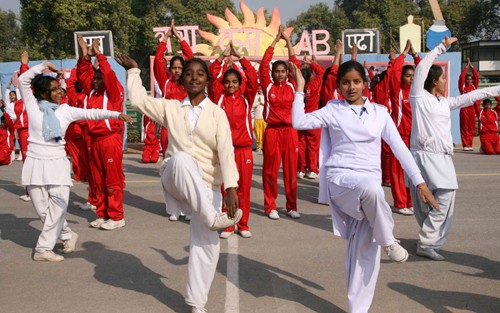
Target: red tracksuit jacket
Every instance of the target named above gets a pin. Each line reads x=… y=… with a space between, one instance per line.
x=313 y=88
x=110 y=98
x=279 y=96
x=464 y=88
x=237 y=106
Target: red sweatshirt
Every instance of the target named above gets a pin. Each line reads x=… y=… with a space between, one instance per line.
x=279 y=95
x=170 y=88
x=6 y=136
x=110 y=97
x=463 y=87
x=313 y=88
x=237 y=106
x=400 y=97
x=329 y=89
x=488 y=120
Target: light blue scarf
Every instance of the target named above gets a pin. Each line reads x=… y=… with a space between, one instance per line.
x=51 y=127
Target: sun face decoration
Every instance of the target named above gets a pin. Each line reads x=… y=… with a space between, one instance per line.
x=251 y=38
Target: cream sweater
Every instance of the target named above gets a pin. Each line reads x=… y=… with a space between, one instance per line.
x=209 y=143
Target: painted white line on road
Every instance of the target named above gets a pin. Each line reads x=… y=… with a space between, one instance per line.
x=233 y=281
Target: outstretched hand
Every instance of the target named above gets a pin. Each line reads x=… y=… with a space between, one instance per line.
x=448 y=41
x=126 y=61
x=125 y=118
x=25 y=57
x=231 y=202
x=427 y=197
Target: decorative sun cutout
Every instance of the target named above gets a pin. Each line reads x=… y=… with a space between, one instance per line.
x=252 y=37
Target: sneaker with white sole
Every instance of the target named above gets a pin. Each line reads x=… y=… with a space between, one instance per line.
x=274 y=215
x=25 y=198
x=403 y=211
x=300 y=175
x=245 y=233
x=70 y=244
x=97 y=223
x=293 y=214
x=312 y=175
x=430 y=254
x=396 y=253
x=173 y=218
x=222 y=220
x=47 y=255
x=225 y=234
x=87 y=207
x=110 y=224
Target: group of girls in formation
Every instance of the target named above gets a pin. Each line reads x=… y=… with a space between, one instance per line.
x=207 y=142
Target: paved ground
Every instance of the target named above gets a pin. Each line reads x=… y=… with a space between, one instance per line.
x=288 y=266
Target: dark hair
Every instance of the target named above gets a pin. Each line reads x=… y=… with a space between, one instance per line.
x=377 y=79
x=41 y=85
x=434 y=73
x=234 y=72
x=469 y=75
x=177 y=58
x=306 y=72
x=486 y=101
x=278 y=63
x=350 y=66
x=406 y=68
x=195 y=60
x=13 y=92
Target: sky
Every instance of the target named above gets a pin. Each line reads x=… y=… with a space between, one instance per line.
x=288 y=8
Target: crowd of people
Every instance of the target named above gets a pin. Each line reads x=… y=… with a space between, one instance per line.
x=203 y=121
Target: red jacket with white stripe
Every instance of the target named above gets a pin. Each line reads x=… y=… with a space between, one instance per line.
x=488 y=120
x=313 y=88
x=237 y=106
x=170 y=88
x=279 y=95
x=109 y=98
x=463 y=87
x=6 y=136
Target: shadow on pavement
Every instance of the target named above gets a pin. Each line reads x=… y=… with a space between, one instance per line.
x=126 y=271
x=448 y=301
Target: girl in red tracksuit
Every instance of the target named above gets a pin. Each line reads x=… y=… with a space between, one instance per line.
x=6 y=136
x=468 y=83
x=400 y=79
x=488 y=127
x=21 y=123
x=237 y=103
x=329 y=90
x=380 y=95
x=75 y=144
x=309 y=139
x=280 y=138
x=169 y=82
x=104 y=91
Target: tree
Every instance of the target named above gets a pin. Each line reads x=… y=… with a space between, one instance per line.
x=10 y=37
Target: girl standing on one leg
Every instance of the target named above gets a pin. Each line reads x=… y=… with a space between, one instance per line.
x=351 y=178
x=432 y=147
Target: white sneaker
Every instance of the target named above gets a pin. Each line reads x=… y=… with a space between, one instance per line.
x=312 y=175
x=403 y=211
x=87 y=207
x=225 y=234
x=274 y=215
x=25 y=198
x=19 y=157
x=97 y=223
x=223 y=221
x=110 y=224
x=173 y=218
x=187 y=218
x=47 y=255
x=396 y=253
x=293 y=214
x=70 y=244
x=300 y=175
x=245 y=233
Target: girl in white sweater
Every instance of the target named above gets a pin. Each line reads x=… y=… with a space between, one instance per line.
x=46 y=171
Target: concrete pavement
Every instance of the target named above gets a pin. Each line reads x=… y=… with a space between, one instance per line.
x=288 y=265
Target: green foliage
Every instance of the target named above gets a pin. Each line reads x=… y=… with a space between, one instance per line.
x=10 y=37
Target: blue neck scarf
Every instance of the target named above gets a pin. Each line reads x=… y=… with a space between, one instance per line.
x=51 y=127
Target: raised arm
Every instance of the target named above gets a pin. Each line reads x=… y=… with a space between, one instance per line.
x=25 y=82
x=154 y=108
